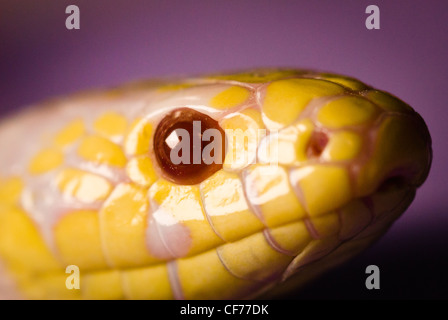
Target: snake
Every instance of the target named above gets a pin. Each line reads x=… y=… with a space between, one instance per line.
x=309 y=169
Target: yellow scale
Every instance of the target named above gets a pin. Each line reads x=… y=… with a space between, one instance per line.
x=248 y=223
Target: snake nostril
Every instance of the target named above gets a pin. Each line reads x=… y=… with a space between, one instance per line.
x=317 y=144
x=397 y=178
x=189 y=146
x=391 y=182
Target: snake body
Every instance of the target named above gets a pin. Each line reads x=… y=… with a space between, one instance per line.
x=336 y=163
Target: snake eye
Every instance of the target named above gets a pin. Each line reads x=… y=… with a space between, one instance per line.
x=189 y=146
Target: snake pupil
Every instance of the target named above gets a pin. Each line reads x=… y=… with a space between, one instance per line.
x=181 y=148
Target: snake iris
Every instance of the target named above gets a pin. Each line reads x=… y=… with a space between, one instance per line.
x=86 y=180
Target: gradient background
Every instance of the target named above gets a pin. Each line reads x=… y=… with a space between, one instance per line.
x=127 y=40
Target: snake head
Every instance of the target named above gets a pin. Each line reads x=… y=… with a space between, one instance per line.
x=210 y=187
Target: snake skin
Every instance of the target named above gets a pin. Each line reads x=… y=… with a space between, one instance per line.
x=336 y=163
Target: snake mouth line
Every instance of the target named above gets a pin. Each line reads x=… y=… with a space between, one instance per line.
x=389 y=185
x=361 y=235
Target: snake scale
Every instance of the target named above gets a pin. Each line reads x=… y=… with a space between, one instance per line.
x=316 y=167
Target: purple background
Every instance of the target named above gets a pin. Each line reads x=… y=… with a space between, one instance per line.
x=127 y=40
